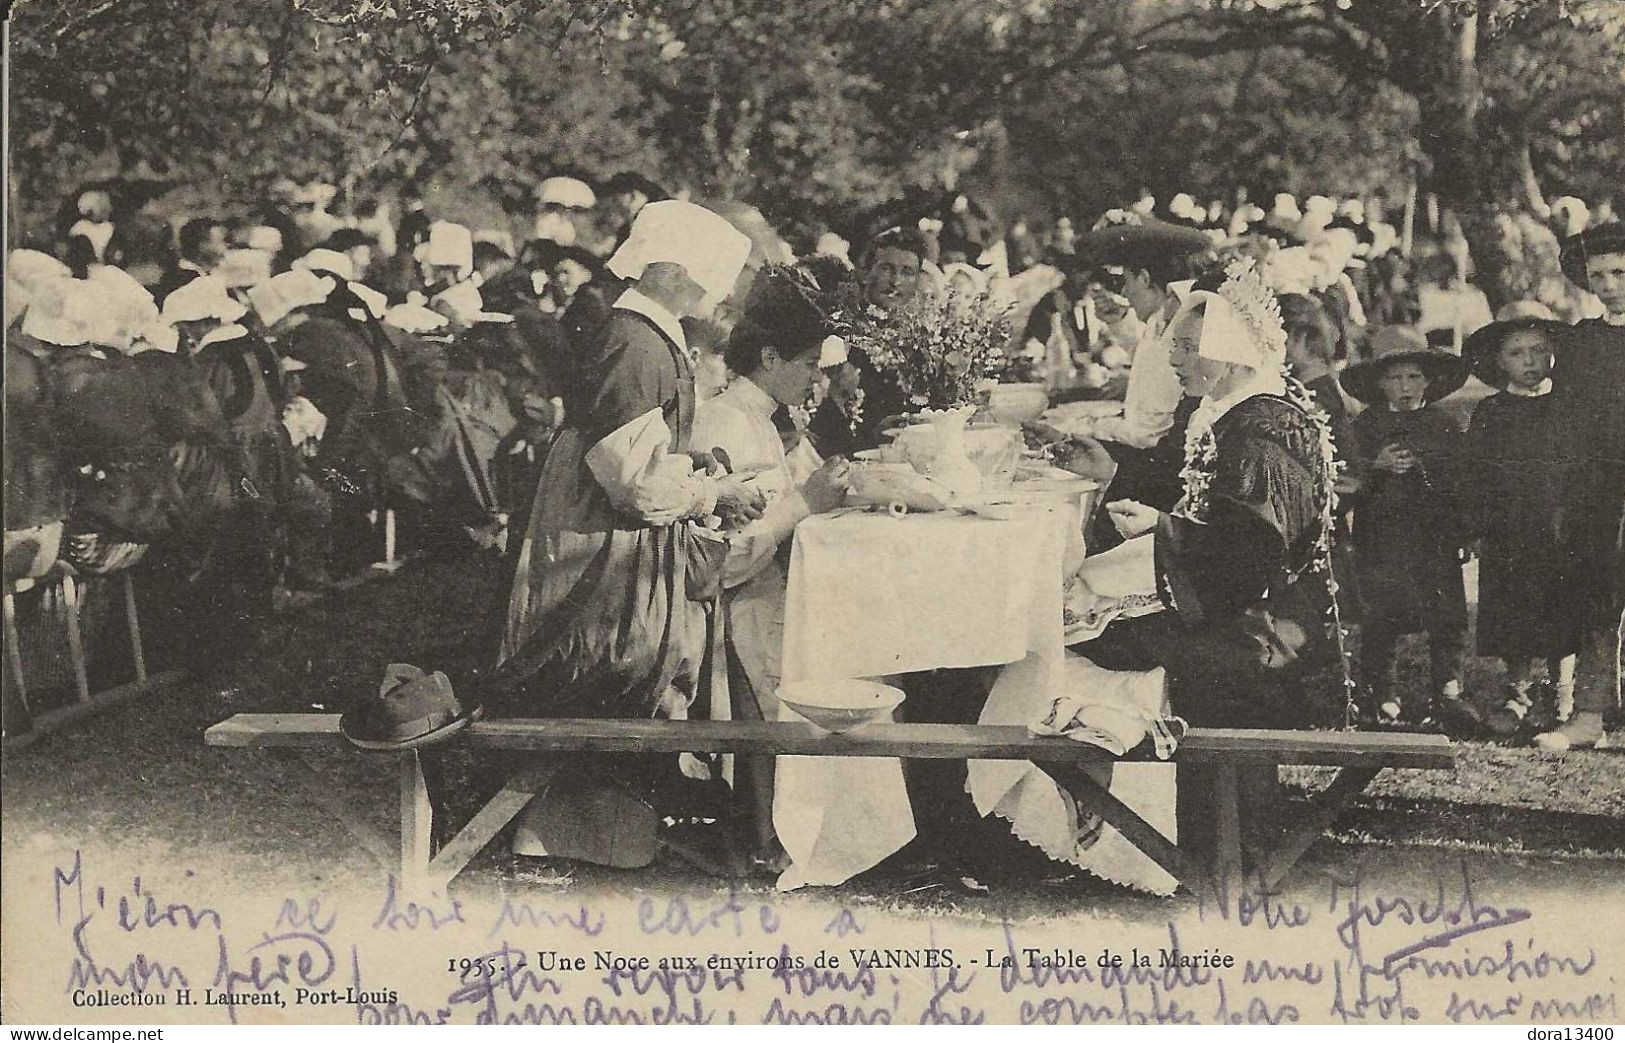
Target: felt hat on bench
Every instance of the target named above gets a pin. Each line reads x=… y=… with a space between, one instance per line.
x=411 y=709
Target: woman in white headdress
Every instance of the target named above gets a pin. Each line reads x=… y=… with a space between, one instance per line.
x=1166 y=627
x=606 y=617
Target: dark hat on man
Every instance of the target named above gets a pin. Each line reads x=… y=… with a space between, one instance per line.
x=1145 y=245
x=412 y=708
x=1593 y=242
x=1392 y=344
x=1482 y=349
x=630 y=181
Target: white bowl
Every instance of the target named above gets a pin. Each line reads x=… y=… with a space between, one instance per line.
x=836 y=706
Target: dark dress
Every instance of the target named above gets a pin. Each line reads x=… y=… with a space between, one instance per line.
x=1256 y=541
x=1524 y=608
x=606 y=612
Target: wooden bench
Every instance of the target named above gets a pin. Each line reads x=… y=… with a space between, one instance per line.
x=1359 y=756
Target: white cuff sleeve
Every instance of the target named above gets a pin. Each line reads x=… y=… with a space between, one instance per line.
x=643 y=479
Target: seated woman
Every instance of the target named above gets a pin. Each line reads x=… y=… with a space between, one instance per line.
x=774 y=353
x=1181 y=620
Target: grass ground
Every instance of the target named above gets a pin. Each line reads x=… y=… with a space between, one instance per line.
x=114 y=780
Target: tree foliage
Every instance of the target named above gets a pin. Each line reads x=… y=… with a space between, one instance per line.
x=818 y=109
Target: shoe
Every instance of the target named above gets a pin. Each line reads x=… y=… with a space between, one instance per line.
x=1511 y=718
x=1583 y=732
x=1542 y=715
x=1454 y=715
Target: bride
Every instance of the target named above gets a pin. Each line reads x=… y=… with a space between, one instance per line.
x=1181 y=621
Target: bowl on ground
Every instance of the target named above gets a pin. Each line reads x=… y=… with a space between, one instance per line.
x=840 y=705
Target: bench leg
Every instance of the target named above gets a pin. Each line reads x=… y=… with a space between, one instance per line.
x=503 y=808
x=1348 y=784
x=18 y=719
x=1093 y=796
x=417 y=821
x=76 y=642
x=134 y=620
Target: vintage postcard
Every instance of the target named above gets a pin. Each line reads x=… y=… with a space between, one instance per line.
x=847 y=512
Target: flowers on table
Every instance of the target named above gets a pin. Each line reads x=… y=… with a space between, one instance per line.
x=937 y=347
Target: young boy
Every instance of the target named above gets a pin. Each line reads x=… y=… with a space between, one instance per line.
x=1524 y=611
x=1407 y=530
x=1588 y=399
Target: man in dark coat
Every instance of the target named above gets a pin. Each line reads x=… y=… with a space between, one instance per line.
x=202 y=245
x=1588 y=402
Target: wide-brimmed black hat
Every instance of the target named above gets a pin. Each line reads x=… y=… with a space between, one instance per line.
x=1391 y=344
x=631 y=181
x=1482 y=349
x=1602 y=239
x=412 y=708
x=1144 y=245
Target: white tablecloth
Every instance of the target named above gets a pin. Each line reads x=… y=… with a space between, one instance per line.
x=872 y=596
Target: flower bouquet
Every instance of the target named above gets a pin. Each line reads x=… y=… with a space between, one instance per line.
x=938 y=348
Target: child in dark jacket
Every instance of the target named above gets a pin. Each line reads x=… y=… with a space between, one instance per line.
x=1407 y=528
x=1525 y=612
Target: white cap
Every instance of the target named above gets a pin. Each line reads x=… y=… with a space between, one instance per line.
x=463 y=304
x=281 y=294
x=154 y=335
x=1285 y=212
x=450 y=245
x=30 y=267
x=566 y=191
x=129 y=311
x=240 y=269
x=25 y=271
x=377 y=304
x=977 y=277
x=1225 y=337
x=414 y=318
x=832 y=245
x=63 y=312
x=332 y=262
x=264 y=237
x=832 y=352
x=205 y=297
x=710 y=249
x=231 y=331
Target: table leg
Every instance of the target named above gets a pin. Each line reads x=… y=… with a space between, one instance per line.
x=1349 y=783
x=1123 y=818
x=1227 y=806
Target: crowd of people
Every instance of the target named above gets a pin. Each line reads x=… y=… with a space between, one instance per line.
x=639 y=402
